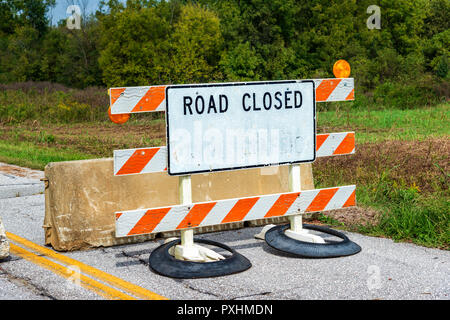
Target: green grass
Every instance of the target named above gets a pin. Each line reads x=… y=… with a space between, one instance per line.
x=407 y=181
x=407 y=215
x=382 y=125
x=329 y=220
x=29 y=155
x=411 y=196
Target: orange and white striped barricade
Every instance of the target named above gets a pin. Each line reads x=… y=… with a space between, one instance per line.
x=276 y=118
x=154 y=159
x=152 y=98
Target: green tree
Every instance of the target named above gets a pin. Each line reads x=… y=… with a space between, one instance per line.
x=27 y=12
x=195 y=46
x=134 y=44
x=242 y=63
x=149 y=42
x=21 y=35
x=22 y=60
x=263 y=30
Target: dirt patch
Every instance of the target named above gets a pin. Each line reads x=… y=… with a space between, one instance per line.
x=20 y=172
x=424 y=164
x=355 y=216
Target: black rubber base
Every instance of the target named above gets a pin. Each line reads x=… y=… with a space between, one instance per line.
x=277 y=239
x=165 y=264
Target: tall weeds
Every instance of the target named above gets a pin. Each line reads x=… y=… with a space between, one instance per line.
x=50 y=102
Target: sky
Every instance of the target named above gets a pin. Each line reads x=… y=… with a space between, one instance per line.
x=59 y=11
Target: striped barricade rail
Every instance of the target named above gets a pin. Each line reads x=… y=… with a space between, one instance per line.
x=145 y=221
x=148 y=160
x=152 y=98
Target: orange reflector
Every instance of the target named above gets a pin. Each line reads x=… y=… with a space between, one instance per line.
x=118 y=118
x=341 y=69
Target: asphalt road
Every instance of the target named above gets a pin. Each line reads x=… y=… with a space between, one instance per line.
x=382 y=270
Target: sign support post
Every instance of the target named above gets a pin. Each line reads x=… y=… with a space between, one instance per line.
x=185 y=189
x=295 y=184
x=187 y=250
x=296 y=230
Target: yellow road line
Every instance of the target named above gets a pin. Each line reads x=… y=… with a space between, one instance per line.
x=65 y=272
x=115 y=281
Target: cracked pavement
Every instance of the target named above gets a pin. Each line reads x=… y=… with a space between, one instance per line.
x=382 y=270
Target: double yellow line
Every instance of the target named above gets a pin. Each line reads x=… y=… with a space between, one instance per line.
x=68 y=269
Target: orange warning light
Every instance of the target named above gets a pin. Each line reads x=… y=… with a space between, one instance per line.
x=118 y=118
x=341 y=69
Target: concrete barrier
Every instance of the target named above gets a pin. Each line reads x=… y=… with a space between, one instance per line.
x=82 y=196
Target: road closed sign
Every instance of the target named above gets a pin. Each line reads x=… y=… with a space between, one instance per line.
x=229 y=126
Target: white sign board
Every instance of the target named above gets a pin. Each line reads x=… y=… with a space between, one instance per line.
x=228 y=126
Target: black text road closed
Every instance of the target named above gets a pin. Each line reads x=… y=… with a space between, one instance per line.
x=239 y=125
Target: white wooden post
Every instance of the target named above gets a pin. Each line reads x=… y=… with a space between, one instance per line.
x=295 y=185
x=185 y=187
x=296 y=230
x=188 y=250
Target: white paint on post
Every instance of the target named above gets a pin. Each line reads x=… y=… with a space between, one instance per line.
x=188 y=250
x=187 y=235
x=295 y=184
x=185 y=190
x=296 y=230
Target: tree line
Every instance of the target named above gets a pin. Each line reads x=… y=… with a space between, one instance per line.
x=149 y=42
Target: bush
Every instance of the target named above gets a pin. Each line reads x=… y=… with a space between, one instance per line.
x=48 y=102
x=398 y=95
